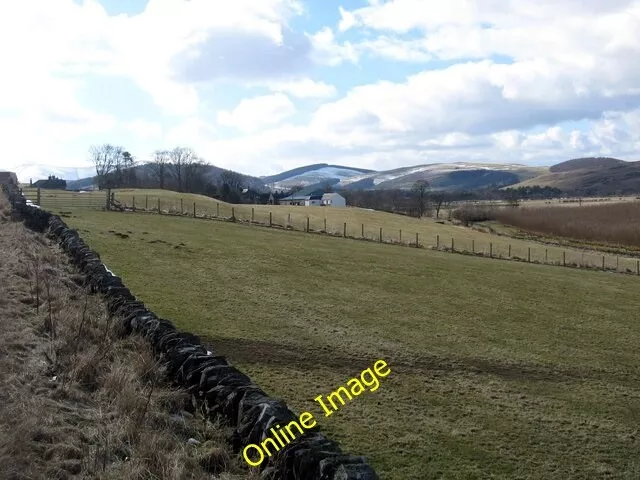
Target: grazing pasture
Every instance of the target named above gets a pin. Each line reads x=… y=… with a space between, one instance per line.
x=359 y=223
x=498 y=369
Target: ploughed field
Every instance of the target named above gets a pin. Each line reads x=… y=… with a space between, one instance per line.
x=498 y=369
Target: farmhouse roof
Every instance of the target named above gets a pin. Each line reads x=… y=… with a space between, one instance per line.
x=331 y=195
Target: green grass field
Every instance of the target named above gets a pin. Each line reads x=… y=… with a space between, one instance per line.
x=499 y=369
x=358 y=220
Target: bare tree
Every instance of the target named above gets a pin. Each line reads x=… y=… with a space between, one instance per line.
x=421 y=192
x=160 y=165
x=438 y=200
x=194 y=175
x=233 y=179
x=181 y=157
x=107 y=160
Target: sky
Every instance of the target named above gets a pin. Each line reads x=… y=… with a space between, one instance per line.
x=262 y=86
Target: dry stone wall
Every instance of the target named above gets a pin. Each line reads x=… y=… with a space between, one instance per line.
x=219 y=386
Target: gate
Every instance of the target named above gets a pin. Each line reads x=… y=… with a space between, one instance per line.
x=63 y=200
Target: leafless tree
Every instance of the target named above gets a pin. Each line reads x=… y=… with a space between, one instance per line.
x=420 y=191
x=233 y=179
x=181 y=158
x=160 y=165
x=194 y=174
x=107 y=160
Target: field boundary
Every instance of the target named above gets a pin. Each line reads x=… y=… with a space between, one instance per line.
x=440 y=245
x=215 y=384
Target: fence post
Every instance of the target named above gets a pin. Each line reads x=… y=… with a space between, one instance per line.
x=252 y=214
x=473 y=245
x=617 y=263
x=546 y=256
x=437 y=241
x=146 y=202
x=107 y=204
x=564 y=259
x=134 y=203
x=307 y=224
x=400 y=235
x=289 y=219
x=233 y=214
x=217 y=209
x=603 y=262
x=380 y=234
x=452 y=246
x=194 y=209
x=181 y=207
x=270 y=219
x=509 y=250
x=638 y=267
x=344 y=232
x=159 y=211
x=362 y=230
x=490 y=250
x=528 y=255
x=325 y=225
x=417 y=242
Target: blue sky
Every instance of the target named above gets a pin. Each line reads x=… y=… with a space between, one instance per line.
x=265 y=86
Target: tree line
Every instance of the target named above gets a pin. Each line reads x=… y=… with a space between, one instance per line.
x=180 y=169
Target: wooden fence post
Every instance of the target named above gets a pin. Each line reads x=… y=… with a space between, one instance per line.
x=194 y=209
x=380 y=234
x=617 y=263
x=638 y=267
x=181 y=206
x=134 y=203
x=325 y=225
x=564 y=259
x=146 y=202
x=252 y=214
x=233 y=214
x=529 y=255
x=307 y=224
x=452 y=247
x=509 y=250
x=344 y=233
x=437 y=241
x=417 y=241
x=603 y=262
x=473 y=245
x=217 y=209
x=159 y=211
x=490 y=250
x=546 y=255
x=400 y=235
x=289 y=219
x=270 y=218
x=362 y=230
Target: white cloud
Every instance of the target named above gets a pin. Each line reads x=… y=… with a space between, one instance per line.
x=304 y=88
x=254 y=113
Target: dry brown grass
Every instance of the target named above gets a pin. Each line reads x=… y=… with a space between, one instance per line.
x=76 y=400
x=615 y=223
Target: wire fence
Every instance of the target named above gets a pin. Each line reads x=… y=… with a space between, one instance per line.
x=497 y=247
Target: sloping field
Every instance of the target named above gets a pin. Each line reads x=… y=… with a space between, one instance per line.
x=358 y=220
x=499 y=369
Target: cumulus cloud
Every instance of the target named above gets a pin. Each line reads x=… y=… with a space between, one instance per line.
x=254 y=113
x=491 y=80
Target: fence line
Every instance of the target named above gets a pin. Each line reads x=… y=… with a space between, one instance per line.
x=588 y=259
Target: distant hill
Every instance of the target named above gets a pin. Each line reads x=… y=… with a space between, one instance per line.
x=444 y=176
x=591 y=176
x=591 y=163
x=319 y=173
x=144 y=172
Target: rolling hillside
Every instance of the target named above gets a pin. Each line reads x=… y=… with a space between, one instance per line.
x=591 y=176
